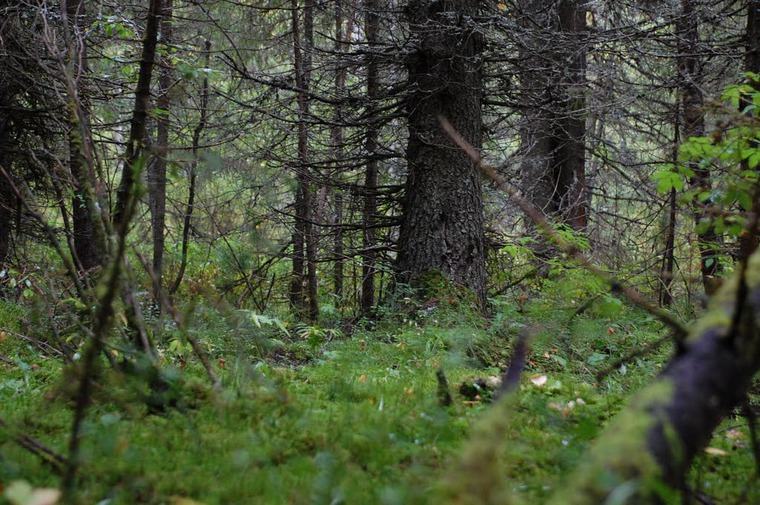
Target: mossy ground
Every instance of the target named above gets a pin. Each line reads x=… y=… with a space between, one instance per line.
x=349 y=418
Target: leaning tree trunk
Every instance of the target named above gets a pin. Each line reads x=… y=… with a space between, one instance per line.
x=442 y=224
x=135 y=155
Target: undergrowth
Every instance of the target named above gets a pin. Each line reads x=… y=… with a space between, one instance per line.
x=322 y=415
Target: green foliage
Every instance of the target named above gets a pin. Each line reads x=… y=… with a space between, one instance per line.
x=731 y=156
x=308 y=414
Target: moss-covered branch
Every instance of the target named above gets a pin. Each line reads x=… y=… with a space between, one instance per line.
x=646 y=452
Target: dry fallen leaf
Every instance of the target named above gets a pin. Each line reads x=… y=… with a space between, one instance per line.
x=362 y=378
x=538 y=379
x=714 y=451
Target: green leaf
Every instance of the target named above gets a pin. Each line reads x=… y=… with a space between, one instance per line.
x=754 y=159
x=745 y=200
x=596 y=358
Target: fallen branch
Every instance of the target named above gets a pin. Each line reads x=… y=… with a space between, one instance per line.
x=48 y=456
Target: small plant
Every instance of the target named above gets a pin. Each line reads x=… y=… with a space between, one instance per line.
x=315 y=336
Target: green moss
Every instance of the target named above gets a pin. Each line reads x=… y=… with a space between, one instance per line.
x=619 y=461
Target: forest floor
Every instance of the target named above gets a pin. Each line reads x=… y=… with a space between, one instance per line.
x=321 y=416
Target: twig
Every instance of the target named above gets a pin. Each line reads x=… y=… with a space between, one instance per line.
x=628 y=357
x=48 y=455
x=180 y=322
x=39 y=343
x=550 y=232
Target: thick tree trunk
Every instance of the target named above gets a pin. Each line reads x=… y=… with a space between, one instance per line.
x=553 y=129
x=655 y=439
x=442 y=224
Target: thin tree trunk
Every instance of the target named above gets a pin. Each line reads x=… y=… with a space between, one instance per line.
x=190 y=207
x=337 y=148
x=693 y=125
x=668 y=258
x=371 y=28
x=7 y=205
x=89 y=235
x=304 y=246
x=157 y=169
x=135 y=155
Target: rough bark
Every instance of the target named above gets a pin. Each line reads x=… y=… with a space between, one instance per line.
x=553 y=127
x=442 y=223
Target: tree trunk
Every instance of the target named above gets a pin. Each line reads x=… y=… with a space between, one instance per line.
x=749 y=241
x=135 y=155
x=89 y=232
x=338 y=148
x=553 y=129
x=190 y=207
x=304 y=246
x=668 y=257
x=7 y=205
x=157 y=170
x=442 y=223
x=371 y=29
x=693 y=125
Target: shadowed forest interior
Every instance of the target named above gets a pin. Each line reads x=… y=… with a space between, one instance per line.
x=379 y=251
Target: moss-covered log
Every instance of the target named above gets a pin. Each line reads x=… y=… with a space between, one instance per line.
x=644 y=455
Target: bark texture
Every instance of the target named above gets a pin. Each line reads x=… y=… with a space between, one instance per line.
x=553 y=130
x=442 y=224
